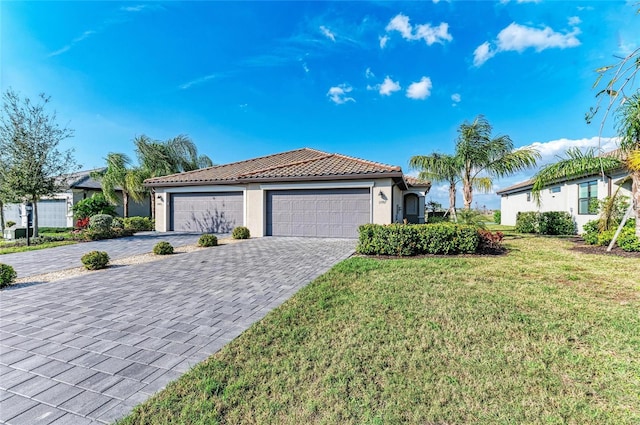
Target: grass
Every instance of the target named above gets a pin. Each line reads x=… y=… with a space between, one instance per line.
x=10 y=247
x=542 y=335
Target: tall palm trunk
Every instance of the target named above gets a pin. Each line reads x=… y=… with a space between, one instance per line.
x=125 y=203
x=452 y=201
x=635 y=195
x=1 y=215
x=467 y=194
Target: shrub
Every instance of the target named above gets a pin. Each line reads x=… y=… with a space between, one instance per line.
x=628 y=241
x=163 y=248
x=471 y=218
x=117 y=223
x=138 y=224
x=95 y=235
x=10 y=223
x=490 y=242
x=82 y=223
x=604 y=238
x=95 y=260
x=497 y=216
x=590 y=232
x=208 y=240
x=7 y=275
x=406 y=240
x=556 y=223
x=527 y=222
x=101 y=222
x=240 y=232
x=89 y=207
x=436 y=219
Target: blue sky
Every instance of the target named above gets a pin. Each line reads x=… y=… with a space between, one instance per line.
x=378 y=80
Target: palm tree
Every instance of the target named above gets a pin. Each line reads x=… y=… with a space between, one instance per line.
x=578 y=163
x=172 y=156
x=120 y=175
x=485 y=158
x=440 y=168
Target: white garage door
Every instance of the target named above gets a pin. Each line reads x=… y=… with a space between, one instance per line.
x=52 y=213
x=318 y=212
x=216 y=212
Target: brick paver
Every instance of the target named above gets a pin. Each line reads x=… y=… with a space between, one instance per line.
x=68 y=256
x=88 y=349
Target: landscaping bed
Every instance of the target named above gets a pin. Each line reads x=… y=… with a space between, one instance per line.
x=581 y=246
x=542 y=335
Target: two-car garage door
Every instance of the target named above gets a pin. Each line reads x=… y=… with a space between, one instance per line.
x=317 y=212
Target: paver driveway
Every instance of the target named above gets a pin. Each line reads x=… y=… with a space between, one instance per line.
x=67 y=256
x=87 y=349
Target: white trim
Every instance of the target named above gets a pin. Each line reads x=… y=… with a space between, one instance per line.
x=200 y=189
x=319 y=185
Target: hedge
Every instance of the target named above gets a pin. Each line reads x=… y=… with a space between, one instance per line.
x=545 y=223
x=416 y=239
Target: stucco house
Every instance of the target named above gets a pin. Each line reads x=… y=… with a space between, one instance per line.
x=575 y=196
x=55 y=211
x=304 y=192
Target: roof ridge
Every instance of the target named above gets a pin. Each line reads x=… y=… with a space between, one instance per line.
x=289 y=164
x=241 y=162
x=364 y=161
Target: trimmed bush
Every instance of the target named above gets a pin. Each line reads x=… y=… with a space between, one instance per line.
x=117 y=223
x=527 y=222
x=138 y=224
x=100 y=222
x=556 y=223
x=208 y=240
x=590 y=232
x=240 y=232
x=406 y=240
x=497 y=216
x=628 y=241
x=546 y=223
x=163 y=248
x=7 y=275
x=95 y=260
x=604 y=238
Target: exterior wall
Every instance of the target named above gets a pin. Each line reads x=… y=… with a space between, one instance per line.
x=565 y=200
x=386 y=199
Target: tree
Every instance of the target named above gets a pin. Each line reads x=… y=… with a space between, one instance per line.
x=120 y=175
x=628 y=126
x=440 y=168
x=172 y=156
x=484 y=158
x=31 y=163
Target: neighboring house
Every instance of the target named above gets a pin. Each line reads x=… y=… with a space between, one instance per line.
x=55 y=211
x=304 y=192
x=576 y=197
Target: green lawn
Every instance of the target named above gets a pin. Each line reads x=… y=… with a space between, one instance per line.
x=10 y=247
x=541 y=335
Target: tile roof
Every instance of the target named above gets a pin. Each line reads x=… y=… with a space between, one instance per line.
x=303 y=164
x=414 y=182
x=81 y=180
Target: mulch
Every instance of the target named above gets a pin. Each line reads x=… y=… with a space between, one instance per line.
x=581 y=246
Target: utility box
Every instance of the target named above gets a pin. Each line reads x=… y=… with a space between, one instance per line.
x=17 y=233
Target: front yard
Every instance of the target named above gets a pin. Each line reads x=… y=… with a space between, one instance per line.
x=541 y=335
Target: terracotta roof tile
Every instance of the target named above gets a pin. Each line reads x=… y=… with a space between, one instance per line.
x=414 y=182
x=302 y=163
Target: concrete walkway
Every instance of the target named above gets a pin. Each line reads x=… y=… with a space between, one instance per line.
x=86 y=350
x=30 y=263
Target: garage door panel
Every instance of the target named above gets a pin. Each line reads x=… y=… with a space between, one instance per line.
x=217 y=212
x=317 y=213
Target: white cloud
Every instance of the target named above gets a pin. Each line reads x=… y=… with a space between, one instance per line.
x=305 y=67
x=431 y=35
x=338 y=94
x=552 y=150
x=75 y=41
x=420 y=90
x=518 y=38
x=456 y=97
x=383 y=41
x=520 y=1
x=483 y=53
x=368 y=73
x=137 y=8
x=327 y=33
x=389 y=86
x=197 y=81
x=574 y=20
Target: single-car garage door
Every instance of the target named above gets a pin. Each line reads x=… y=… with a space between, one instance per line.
x=318 y=212
x=52 y=213
x=216 y=212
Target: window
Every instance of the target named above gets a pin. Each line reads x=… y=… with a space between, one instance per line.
x=588 y=198
x=528 y=196
x=555 y=189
